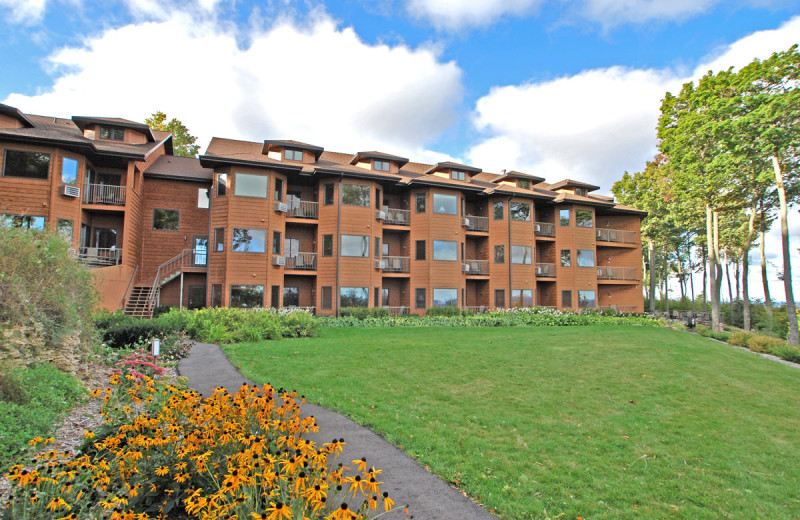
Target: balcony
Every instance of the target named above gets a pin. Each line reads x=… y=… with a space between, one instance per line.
x=545 y=270
x=478 y=223
x=302 y=209
x=99 y=256
x=396 y=264
x=302 y=262
x=398 y=217
x=104 y=194
x=477 y=267
x=616 y=235
x=544 y=229
x=617 y=273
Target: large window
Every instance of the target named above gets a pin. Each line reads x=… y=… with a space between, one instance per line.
x=382 y=166
x=521 y=297
x=500 y=298
x=521 y=255
x=445 y=297
x=445 y=250
x=65 y=228
x=419 y=298
x=202 y=198
x=219 y=239
x=419 y=205
x=23 y=221
x=222 y=184
x=585 y=257
x=247 y=185
x=500 y=254
x=355 y=245
x=499 y=210
x=32 y=165
x=327 y=245
x=520 y=211
x=112 y=132
x=421 y=246
x=355 y=195
x=353 y=297
x=445 y=204
x=293 y=155
x=586 y=299
x=563 y=217
x=566 y=258
x=247 y=296
x=69 y=171
x=291 y=296
x=246 y=240
x=583 y=218
x=166 y=219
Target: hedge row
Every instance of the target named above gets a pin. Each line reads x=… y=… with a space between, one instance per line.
x=765 y=344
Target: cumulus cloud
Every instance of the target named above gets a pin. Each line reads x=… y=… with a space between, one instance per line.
x=456 y=14
x=312 y=81
x=594 y=125
x=25 y=12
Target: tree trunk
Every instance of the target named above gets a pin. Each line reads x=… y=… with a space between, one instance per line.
x=652 y=256
x=712 y=234
x=746 y=269
x=764 y=279
x=791 y=310
x=705 y=278
x=730 y=288
x=666 y=284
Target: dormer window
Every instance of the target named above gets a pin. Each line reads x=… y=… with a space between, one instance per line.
x=382 y=166
x=457 y=175
x=111 y=132
x=580 y=191
x=524 y=184
x=292 y=155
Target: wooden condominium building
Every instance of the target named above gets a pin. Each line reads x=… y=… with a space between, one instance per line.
x=288 y=224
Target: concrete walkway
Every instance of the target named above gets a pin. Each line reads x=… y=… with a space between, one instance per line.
x=428 y=496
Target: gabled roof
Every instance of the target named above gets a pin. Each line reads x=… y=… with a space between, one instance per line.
x=273 y=144
x=83 y=121
x=16 y=114
x=447 y=165
x=401 y=161
x=179 y=168
x=519 y=175
x=569 y=183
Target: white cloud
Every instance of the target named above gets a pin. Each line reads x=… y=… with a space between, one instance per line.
x=456 y=14
x=311 y=81
x=609 y=13
x=25 y=12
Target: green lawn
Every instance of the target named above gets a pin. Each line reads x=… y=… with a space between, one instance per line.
x=535 y=422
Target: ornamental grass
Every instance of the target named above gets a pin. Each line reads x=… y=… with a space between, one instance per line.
x=166 y=451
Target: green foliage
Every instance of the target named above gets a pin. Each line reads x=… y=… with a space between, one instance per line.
x=740 y=338
x=765 y=344
x=31 y=401
x=42 y=287
x=361 y=313
x=708 y=332
x=447 y=310
x=183 y=143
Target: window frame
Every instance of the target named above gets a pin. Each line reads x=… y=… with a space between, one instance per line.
x=420 y=250
x=222 y=185
x=276 y=242
x=581 y=299
x=420 y=203
x=326 y=300
x=501 y=258
x=566 y=298
x=420 y=304
x=447 y=302
x=201 y=199
x=578 y=257
x=278 y=190
x=363 y=188
x=328 y=195
x=515 y=207
x=458 y=175
x=527 y=252
x=26 y=152
x=365 y=246
x=327 y=245
x=290 y=154
x=566 y=261
x=501 y=205
x=500 y=295
x=561 y=213
x=219 y=245
x=230 y=296
x=178 y=221
x=365 y=292
x=448 y=197
x=381 y=166
x=74 y=181
x=111 y=133
x=233 y=247
x=260 y=177
x=585 y=212
x=441 y=244
x=520 y=295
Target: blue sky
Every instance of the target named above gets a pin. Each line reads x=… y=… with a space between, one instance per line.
x=556 y=88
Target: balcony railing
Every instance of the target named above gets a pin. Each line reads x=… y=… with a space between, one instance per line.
x=400 y=217
x=303 y=209
x=396 y=264
x=478 y=309
x=478 y=223
x=617 y=308
x=616 y=235
x=104 y=194
x=477 y=267
x=544 y=229
x=397 y=311
x=545 y=269
x=616 y=273
x=302 y=261
x=99 y=256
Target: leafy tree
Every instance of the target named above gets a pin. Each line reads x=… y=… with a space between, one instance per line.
x=182 y=141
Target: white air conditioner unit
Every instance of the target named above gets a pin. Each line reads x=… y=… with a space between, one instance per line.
x=465 y=222
x=71 y=191
x=380 y=264
x=380 y=215
x=278 y=260
x=539 y=270
x=537 y=228
x=600 y=272
x=282 y=207
x=464 y=268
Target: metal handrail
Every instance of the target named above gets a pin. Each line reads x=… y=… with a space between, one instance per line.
x=401 y=217
x=302 y=261
x=544 y=229
x=130 y=284
x=477 y=223
x=104 y=256
x=401 y=310
x=104 y=194
x=478 y=267
x=396 y=264
x=616 y=235
x=605 y=272
x=303 y=209
x=478 y=309
x=545 y=269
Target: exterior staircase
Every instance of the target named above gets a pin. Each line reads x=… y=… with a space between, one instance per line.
x=143 y=298
x=140 y=303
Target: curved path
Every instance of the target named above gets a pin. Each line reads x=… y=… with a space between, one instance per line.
x=428 y=496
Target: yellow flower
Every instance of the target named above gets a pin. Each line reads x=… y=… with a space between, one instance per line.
x=57 y=503
x=162 y=470
x=388 y=503
x=342 y=513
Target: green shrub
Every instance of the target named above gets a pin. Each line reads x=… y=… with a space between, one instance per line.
x=447 y=310
x=31 y=401
x=356 y=312
x=130 y=333
x=788 y=353
x=765 y=344
x=301 y=325
x=740 y=338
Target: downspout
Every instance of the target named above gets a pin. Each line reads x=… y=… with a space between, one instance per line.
x=510 y=264
x=338 y=236
x=209 y=244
